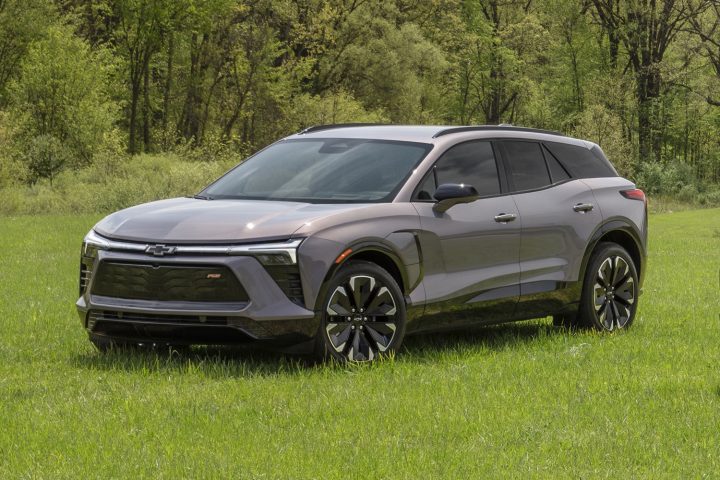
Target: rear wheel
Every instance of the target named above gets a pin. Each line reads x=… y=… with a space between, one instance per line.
x=610 y=290
x=363 y=314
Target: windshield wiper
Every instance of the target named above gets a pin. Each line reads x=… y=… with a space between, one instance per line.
x=201 y=197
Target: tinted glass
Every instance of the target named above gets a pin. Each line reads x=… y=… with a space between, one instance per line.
x=470 y=163
x=323 y=170
x=557 y=172
x=527 y=165
x=427 y=188
x=581 y=162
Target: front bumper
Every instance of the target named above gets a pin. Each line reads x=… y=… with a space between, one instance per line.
x=268 y=314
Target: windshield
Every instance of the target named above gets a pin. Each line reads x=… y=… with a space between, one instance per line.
x=323 y=170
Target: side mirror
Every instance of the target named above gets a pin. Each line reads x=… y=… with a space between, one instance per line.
x=449 y=194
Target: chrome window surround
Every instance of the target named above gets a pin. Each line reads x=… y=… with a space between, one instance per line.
x=287 y=249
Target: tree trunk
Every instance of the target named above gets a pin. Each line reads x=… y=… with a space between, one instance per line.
x=190 y=121
x=134 y=100
x=146 y=105
x=648 y=93
x=168 y=86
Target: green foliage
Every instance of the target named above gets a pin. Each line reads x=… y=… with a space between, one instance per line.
x=61 y=116
x=600 y=125
x=336 y=107
x=665 y=179
x=112 y=183
x=84 y=81
x=21 y=22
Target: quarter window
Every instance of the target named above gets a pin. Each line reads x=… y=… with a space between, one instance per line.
x=557 y=172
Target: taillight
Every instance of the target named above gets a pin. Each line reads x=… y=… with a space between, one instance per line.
x=634 y=194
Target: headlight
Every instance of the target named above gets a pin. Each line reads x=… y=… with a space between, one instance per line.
x=283 y=253
x=276 y=258
x=94 y=241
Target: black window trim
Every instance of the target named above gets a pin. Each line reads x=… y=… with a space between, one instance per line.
x=502 y=165
x=502 y=180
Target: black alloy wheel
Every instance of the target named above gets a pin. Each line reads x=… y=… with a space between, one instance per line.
x=610 y=290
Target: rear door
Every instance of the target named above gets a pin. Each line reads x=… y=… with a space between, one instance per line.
x=470 y=258
x=558 y=216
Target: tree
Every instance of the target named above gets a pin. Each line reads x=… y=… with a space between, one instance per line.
x=646 y=29
x=61 y=111
x=707 y=28
x=21 y=22
x=502 y=40
x=142 y=25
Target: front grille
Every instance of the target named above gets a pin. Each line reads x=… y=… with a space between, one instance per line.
x=185 y=283
x=288 y=279
x=96 y=316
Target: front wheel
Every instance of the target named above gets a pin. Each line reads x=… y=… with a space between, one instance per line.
x=610 y=289
x=363 y=314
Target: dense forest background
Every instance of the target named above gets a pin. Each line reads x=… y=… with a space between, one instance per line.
x=107 y=103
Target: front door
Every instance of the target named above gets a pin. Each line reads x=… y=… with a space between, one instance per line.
x=471 y=251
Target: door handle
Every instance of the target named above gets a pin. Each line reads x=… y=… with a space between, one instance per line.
x=583 y=207
x=505 y=217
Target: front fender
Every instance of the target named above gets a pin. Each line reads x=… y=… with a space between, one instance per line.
x=391 y=236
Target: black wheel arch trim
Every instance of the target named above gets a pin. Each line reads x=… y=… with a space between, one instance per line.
x=365 y=246
x=610 y=225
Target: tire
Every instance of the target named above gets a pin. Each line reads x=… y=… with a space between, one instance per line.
x=362 y=314
x=610 y=290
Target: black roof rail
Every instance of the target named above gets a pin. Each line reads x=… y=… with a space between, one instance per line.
x=318 y=128
x=503 y=127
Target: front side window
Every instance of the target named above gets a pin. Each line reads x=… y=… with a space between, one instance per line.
x=469 y=163
x=323 y=171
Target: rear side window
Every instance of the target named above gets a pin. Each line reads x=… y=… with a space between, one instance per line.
x=580 y=162
x=526 y=165
x=470 y=163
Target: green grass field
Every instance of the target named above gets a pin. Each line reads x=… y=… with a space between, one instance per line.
x=525 y=400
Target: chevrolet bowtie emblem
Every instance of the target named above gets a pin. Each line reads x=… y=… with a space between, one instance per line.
x=160 y=250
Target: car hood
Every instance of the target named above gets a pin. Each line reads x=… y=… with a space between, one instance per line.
x=189 y=220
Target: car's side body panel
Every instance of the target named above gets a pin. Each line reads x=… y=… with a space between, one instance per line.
x=621 y=214
x=554 y=235
x=470 y=261
x=387 y=228
x=613 y=205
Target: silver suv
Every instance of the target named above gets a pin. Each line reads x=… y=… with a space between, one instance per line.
x=342 y=239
